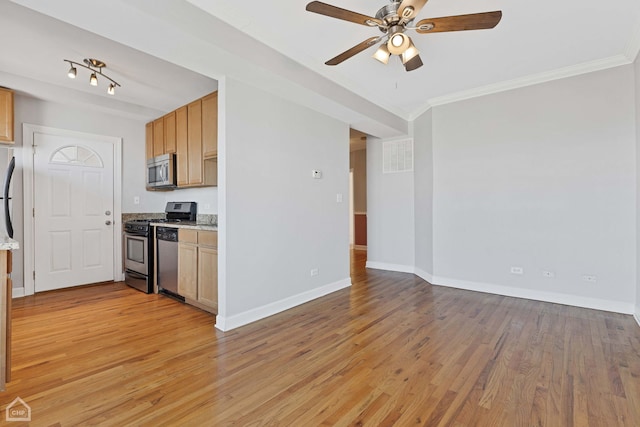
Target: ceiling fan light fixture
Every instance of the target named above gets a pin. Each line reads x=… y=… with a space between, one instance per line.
x=413 y=63
x=398 y=43
x=382 y=54
x=410 y=53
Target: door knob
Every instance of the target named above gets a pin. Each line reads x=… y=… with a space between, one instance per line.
x=107 y=222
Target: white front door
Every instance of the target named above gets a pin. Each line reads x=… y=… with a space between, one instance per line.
x=73 y=217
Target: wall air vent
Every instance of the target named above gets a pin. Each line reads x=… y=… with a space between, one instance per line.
x=397 y=156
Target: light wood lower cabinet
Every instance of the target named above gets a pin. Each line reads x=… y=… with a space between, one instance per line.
x=188 y=270
x=198 y=268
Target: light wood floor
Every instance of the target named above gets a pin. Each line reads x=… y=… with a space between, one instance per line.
x=392 y=350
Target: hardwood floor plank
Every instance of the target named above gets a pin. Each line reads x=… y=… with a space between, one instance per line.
x=391 y=350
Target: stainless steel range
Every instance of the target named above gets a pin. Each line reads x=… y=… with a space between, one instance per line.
x=138 y=255
x=139 y=240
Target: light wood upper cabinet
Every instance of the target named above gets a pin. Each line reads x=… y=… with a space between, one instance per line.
x=191 y=132
x=182 y=147
x=149 y=139
x=170 y=132
x=194 y=122
x=6 y=115
x=158 y=137
x=210 y=125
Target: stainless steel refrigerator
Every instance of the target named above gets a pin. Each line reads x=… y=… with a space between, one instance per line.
x=7 y=166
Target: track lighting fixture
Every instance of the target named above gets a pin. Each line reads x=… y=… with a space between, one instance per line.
x=95 y=66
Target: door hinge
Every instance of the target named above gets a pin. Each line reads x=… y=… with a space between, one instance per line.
x=34 y=275
x=34 y=212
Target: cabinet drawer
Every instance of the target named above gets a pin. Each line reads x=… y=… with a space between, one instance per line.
x=208 y=238
x=186 y=235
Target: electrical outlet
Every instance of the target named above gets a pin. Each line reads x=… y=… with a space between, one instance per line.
x=517 y=270
x=588 y=278
x=339 y=198
x=316 y=174
x=548 y=274
x=314 y=272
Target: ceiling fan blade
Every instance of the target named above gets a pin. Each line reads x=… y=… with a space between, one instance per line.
x=474 y=21
x=353 y=51
x=413 y=63
x=344 y=14
x=415 y=7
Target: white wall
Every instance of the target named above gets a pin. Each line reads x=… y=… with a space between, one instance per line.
x=390 y=214
x=541 y=178
x=423 y=187
x=637 y=94
x=276 y=221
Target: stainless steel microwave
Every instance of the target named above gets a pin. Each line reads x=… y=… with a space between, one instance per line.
x=161 y=171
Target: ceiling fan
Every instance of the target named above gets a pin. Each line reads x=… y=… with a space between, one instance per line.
x=394 y=20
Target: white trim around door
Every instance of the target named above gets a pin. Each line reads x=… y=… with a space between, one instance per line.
x=28 y=132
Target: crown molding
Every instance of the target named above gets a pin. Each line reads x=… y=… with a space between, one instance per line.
x=547 y=76
x=632 y=48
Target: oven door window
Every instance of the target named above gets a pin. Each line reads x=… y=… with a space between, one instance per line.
x=136 y=254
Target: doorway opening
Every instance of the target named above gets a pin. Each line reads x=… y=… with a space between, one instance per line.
x=357 y=200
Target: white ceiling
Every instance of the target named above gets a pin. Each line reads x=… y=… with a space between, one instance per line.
x=33 y=49
x=535 y=41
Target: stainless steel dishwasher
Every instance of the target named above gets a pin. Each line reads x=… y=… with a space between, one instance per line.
x=167 y=250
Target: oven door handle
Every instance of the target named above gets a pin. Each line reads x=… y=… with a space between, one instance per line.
x=136 y=275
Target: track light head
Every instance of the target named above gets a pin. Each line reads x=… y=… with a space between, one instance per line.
x=93 y=80
x=112 y=89
x=72 y=72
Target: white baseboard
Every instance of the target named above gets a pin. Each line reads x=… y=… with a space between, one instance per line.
x=553 y=297
x=636 y=316
x=427 y=277
x=17 y=293
x=258 y=313
x=391 y=267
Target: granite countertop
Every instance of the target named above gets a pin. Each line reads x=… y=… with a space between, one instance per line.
x=8 y=244
x=194 y=225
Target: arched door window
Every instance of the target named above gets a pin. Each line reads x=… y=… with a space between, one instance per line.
x=76 y=155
